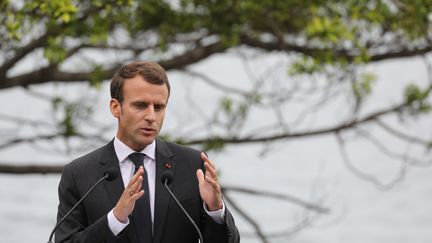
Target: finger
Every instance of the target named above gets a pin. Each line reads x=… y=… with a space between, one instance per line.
x=135 y=177
x=138 y=184
x=137 y=195
x=134 y=188
x=210 y=171
x=200 y=176
x=210 y=174
x=212 y=181
x=206 y=159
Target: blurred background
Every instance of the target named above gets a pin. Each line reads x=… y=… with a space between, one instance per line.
x=316 y=113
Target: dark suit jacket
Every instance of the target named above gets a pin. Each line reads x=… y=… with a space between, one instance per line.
x=88 y=222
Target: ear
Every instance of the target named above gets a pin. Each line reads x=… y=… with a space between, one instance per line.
x=115 y=108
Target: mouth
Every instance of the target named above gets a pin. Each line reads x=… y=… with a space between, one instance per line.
x=147 y=130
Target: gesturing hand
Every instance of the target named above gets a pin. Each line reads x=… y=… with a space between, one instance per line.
x=132 y=192
x=209 y=187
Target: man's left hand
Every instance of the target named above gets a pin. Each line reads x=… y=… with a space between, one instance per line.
x=209 y=186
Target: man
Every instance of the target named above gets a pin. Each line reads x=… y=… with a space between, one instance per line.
x=136 y=207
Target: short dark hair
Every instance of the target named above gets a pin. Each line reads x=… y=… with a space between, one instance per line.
x=151 y=72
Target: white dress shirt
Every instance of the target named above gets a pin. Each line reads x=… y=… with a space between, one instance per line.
x=127 y=169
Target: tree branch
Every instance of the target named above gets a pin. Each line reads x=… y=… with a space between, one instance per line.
x=192 y=56
x=288 y=135
x=53 y=74
x=29 y=140
x=388 y=152
x=214 y=83
x=22 y=53
x=310 y=51
x=402 y=135
x=367 y=177
x=247 y=217
x=12 y=168
x=307 y=205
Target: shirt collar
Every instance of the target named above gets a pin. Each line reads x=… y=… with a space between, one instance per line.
x=122 y=150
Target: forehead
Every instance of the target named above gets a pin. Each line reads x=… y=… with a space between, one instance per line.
x=137 y=89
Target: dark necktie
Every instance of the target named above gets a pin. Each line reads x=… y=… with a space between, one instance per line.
x=141 y=213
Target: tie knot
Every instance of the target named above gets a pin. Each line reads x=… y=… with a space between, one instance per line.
x=137 y=159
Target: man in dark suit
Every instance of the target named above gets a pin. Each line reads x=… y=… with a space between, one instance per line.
x=135 y=207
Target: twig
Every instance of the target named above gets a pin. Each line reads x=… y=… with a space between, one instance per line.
x=274 y=195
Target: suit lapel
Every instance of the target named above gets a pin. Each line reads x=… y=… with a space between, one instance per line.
x=115 y=187
x=162 y=197
x=108 y=160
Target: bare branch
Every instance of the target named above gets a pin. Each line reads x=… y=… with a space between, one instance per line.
x=22 y=53
x=292 y=199
x=53 y=74
x=364 y=176
x=402 y=53
x=402 y=135
x=12 y=168
x=52 y=136
x=214 y=83
x=287 y=135
x=20 y=120
x=310 y=51
x=192 y=56
x=247 y=217
x=384 y=149
x=119 y=48
x=29 y=140
x=258 y=231
x=306 y=220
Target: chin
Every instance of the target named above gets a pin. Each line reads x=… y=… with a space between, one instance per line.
x=147 y=141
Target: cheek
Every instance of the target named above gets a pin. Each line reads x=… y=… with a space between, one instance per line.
x=161 y=119
x=126 y=118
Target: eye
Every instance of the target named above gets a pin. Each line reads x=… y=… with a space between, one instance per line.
x=140 y=105
x=158 y=107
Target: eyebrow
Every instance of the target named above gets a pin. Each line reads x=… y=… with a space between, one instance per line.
x=142 y=102
x=139 y=102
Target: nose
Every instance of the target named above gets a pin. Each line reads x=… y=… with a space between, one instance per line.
x=150 y=114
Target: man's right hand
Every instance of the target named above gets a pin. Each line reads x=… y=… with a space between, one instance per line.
x=132 y=192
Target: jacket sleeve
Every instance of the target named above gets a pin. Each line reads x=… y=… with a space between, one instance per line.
x=233 y=233
x=217 y=233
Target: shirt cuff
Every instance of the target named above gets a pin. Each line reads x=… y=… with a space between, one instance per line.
x=114 y=224
x=218 y=216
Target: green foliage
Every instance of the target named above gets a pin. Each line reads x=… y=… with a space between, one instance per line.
x=67 y=125
x=227 y=105
x=168 y=137
x=416 y=100
x=12 y=24
x=320 y=37
x=70 y=115
x=56 y=102
x=329 y=25
x=414 y=18
x=330 y=30
x=62 y=11
x=235 y=111
x=54 y=50
x=96 y=77
x=305 y=65
x=215 y=144
x=363 y=86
